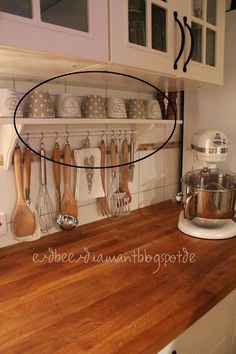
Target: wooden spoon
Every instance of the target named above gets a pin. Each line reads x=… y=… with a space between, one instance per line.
x=23 y=221
x=125 y=170
x=27 y=174
x=68 y=203
x=102 y=201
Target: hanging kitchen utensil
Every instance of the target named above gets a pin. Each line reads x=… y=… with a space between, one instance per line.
x=125 y=198
x=65 y=222
x=88 y=179
x=26 y=183
x=131 y=159
x=68 y=203
x=113 y=199
x=102 y=201
x=124 y=186
x=45 y=208
x=117 y=201
x=56 y=156
x=23 y=221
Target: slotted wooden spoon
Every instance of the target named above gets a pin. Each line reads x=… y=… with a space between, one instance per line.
x=68 y=203
x=23 y=221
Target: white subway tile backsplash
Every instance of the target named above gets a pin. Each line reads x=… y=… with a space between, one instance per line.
x=135 y=201
x=172 y=165
x=6 y=83
x=151 y=170
x=157 y=134
x=84 y=91
x=88 y=213
x=177 y=133
x=24 y=86
x=7 y=192
x=171 y=191
x=150 y=197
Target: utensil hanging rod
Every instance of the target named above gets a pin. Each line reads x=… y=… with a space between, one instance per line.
x=84 y=133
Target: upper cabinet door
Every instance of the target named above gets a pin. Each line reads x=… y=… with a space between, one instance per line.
x=204 y=22
x=66 y=27
x=144 y=34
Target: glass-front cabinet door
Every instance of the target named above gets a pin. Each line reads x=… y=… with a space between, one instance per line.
x=68 y=27
x=143 y=34
x=204 y=31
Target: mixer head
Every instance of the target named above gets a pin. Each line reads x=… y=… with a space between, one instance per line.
x=210 y=146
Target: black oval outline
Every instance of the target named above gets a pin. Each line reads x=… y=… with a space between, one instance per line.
x=93 y=72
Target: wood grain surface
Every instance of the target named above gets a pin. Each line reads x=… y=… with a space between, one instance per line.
x=110 y=307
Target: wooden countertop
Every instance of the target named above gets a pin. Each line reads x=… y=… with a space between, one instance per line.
x=111 y=307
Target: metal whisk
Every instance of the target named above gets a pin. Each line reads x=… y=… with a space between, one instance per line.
x=44 y=206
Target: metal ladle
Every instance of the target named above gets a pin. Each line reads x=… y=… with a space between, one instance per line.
x=65 y=222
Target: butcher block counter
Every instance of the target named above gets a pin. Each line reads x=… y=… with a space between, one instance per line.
x=130 y=285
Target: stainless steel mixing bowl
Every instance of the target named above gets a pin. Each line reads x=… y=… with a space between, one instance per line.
x=209 y=194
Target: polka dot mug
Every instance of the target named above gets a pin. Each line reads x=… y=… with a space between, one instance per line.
x=93 y=107
x=39 y=105
x=136 y=108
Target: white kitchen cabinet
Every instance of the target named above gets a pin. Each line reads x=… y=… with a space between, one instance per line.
x=65 y=27
x=206 y=19
x=145 y=34
x=211 y=334
x=138 y=40
x=152 y=34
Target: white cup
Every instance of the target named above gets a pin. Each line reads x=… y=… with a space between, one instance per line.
x=67 y=106
x=8 y=102
x=116 y=108
x=153 y=110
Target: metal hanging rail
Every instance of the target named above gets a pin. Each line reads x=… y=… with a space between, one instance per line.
x=83 y=133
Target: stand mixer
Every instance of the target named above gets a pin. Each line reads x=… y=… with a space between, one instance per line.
x=208 y=193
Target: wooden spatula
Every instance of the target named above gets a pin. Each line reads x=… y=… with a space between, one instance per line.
x=68 y=203
x=23 y=221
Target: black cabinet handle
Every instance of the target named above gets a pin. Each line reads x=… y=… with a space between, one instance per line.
x=191 y=45
x=182 y=40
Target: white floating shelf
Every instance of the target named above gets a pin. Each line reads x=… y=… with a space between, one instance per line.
x=35 y=121
x=8 y=136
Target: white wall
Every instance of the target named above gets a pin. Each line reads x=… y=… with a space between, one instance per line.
x=215 y=107
x=156 y=178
